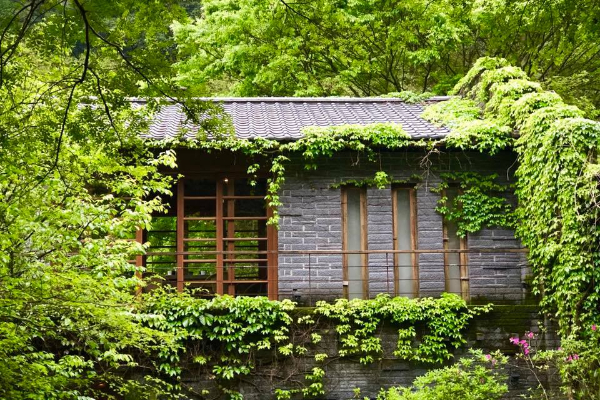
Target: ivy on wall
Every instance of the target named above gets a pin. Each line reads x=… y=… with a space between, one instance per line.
x=226 y=337
x=556 y=218
x=557 y=182
x=481 y=202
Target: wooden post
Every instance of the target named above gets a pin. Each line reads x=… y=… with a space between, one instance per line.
x=180 y=234
x=139 y=260
x=219 y=235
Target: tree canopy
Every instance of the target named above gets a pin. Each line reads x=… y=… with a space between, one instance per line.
x=76 y=181
x=373 y=47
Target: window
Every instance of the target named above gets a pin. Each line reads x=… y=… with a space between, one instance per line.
x=455 y=264
x=354 y=238
x=215 y=237
x=406 y=273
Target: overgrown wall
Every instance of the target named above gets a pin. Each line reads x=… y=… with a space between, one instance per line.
x=489 y=332
x=311 y=220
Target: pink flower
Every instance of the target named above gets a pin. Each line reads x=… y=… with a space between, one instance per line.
x=559 y=348
x=526 y=350
x=575 y=357
x=594 y=327
x=514 y=340
x=488 y=357
x=530 y=335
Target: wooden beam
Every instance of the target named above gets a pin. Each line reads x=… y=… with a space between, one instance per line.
x=180 y=234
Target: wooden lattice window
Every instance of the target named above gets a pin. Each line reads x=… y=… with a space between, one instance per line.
x=215 y=237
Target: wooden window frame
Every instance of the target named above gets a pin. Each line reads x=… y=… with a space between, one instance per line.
x=222 y=261
x=463 y=256
x=364 y=240
x=413 y=239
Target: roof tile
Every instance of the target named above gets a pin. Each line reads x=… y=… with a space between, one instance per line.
x=284 y=118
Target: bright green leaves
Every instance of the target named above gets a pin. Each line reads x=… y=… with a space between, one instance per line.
x=480 y=203
x=357 y=321
x=484 y=136
x=452 y=112
x=476 y=377
x=557 y=182
x=224 y=335
x=467 y=130
x=224 y=331
x=318 y=48
x=324 y=142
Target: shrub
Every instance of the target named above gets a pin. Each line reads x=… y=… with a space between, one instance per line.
x=477 y=377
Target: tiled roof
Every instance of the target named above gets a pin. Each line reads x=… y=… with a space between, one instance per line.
x=282 y=118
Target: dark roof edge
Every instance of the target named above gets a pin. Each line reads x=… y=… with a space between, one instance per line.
x=303 y=99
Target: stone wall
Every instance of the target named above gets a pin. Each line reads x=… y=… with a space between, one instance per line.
x=488 y=332
x=311 y=220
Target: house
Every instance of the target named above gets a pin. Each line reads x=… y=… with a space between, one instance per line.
x=335 y=238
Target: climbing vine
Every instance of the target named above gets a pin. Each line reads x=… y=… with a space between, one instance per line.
x=557 y=181
x=443 y=321
x=228 y=337
x=481 y=202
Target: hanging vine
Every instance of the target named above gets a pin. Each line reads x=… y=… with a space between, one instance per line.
x=557 y=182
x=226 y=337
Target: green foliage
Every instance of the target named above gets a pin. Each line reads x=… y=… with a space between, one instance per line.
x=520 y=110
x=478 y=377
x=409 y=97
x=324 y=142
x=225 y=331
x=480 y=203
x=373 y=47
x=480 y=66
x=483 y=135
x=557 y=185
x=76 y=181
x=225 y=335
x=468 y=131
x=358 y=320
x=323 y=47
x=449 y=113
x=380 y=180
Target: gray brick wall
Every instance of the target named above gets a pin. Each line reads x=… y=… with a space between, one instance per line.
x=311 y=220
x=488 y=332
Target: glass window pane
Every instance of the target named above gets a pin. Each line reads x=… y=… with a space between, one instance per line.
x=200 y=187
x=354 y=242
x=453 y=243
x=162 y=237
x=200 y=208
x=247 y=207
x=249 y=187
x=404 y=242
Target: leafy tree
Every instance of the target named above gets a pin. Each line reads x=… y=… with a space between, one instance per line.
x=372 y=47
x=76 y=181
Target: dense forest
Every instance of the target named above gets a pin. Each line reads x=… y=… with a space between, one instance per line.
x=77 y=180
